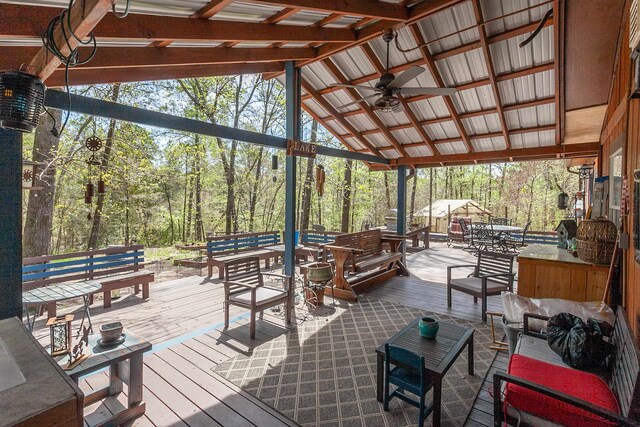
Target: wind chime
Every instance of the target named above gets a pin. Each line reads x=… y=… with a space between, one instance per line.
x=93 y=144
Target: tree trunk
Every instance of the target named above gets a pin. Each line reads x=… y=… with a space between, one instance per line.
x=198 y=190
x=430 y=194
x=386 y=192
x=308 y=183
x=39 y=221
x=412 y=205
x=253 y=196
x=108 y=146
x=189 y=209
x=167 y=194
x=346 y=197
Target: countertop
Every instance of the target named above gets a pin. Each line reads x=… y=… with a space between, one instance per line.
x=549 y=253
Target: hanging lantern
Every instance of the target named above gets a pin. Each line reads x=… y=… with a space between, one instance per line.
x=563 y=201
x=21 y=100
x=60 y=334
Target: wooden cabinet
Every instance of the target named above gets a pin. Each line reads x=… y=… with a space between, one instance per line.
x=46 y=396
x=545 y=271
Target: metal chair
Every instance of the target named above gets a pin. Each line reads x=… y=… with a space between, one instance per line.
x=513 y=244
x=405 y=370
x=244 y=287
x=500 y=221
x=483 y=236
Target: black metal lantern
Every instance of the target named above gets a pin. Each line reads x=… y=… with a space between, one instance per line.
x=21 y=100
x=563 y=201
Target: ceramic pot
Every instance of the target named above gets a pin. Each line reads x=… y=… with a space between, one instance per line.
x=428 y=327
x=110 y=331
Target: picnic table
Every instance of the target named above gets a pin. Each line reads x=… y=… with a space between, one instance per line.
x=60 y=292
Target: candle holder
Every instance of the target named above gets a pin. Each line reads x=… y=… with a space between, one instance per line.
x=60 y=334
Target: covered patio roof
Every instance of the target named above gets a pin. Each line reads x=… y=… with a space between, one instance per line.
x=512 y=102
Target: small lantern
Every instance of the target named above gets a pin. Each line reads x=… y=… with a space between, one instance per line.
x=21 y=100
x=60 y=334
x=563 y=200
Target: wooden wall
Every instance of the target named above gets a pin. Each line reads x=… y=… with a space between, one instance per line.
x=622 y=129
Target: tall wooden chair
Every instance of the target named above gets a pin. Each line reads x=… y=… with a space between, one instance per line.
x=405 y=370
x=492 y=274
x=244 y=287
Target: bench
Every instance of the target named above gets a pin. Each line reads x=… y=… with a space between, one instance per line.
x=114 y=267
x=221 y=249
x=535 y=383
x=492 y=275
x=361 y=252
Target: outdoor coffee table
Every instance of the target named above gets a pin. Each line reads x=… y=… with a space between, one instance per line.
x=439 y=355
x=54 y=293
x=125 y=367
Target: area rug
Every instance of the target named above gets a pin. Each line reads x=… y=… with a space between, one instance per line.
x=324 y=371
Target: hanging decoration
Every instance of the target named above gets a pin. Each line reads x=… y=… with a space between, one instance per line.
x=320 y=179
x=29 y=173
x=563 y=201
x=274 y=166
x=93 y=144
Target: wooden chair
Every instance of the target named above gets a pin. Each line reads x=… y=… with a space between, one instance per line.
x=492 y=274
x=244 y=287
x=407 y=374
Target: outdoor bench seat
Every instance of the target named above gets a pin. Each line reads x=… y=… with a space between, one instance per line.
x=540 y=390
x=362 y=252
x=222 y=249
x=114 y=267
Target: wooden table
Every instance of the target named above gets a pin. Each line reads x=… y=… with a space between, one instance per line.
x=546 y=271
x=35 y=390
x=53 y=293
x=125 y=367
x=300 y=251
x=439 y=355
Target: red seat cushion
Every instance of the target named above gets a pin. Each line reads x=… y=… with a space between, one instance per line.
x=583 y=385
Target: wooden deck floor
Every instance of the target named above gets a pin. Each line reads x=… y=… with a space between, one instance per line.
x=183 y=319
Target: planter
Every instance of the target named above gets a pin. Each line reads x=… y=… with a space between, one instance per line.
x=320 y=272
x=428 y=327
x=315 y=294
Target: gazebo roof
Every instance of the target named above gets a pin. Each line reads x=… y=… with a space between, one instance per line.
x=441 y=208
x=512 y=102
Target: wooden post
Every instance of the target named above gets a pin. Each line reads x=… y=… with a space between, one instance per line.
x=10 y=224
x=293 y=127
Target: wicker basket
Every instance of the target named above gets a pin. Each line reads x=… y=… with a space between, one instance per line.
x=596 y=240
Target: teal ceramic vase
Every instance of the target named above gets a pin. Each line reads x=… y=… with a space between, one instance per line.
x=428 y=327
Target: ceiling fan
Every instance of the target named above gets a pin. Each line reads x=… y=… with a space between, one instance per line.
x=389 y=86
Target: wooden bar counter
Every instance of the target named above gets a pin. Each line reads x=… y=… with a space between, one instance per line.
x=546 y=271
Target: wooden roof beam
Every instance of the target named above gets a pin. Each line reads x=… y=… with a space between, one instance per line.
x=282 y=15
x=84 y=16
x=491 y=70
x=331 y=66
x=115 y=57
x=371 y=56
x=80 y=76
x=571 y=150
x=558 y=43
x=364 y=8
x=30 y=21
x=419 y=39
x=210 y=9
x=344 y=122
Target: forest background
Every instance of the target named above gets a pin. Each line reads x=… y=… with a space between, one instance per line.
x=164 y=187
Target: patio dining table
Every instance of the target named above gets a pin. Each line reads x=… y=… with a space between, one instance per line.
x=504 y=228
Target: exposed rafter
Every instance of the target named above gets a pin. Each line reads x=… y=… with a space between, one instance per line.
x=558 y=43
x=419 y=39
x=112 y=57
x=371 y=56
x=369 y=111
x=486 y=52
x=30 y=21
x=210 y=9
x=142 y=74
x=373 y=9
x=282 y=15
x=83 y=17
x=344 y=122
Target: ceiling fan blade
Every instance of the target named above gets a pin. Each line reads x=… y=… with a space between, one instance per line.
x=353 y=86
x=406 y=76
x=436 y=91
x=399 y=108
x=357 y=101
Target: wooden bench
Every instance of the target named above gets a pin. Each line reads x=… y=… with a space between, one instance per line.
x=115 y=267
x=221 y=249
x=358 y=253
x=622 y=378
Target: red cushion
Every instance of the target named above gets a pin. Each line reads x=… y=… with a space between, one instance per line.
x=583 y=385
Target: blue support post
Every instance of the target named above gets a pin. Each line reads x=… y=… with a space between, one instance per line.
x=402 y=201
x=10 y=224
x=292 y=83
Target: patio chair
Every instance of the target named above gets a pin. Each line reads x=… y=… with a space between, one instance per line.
x=407 y=374
x=512 y=244
x=244 y=287
x=483 y=236
x=467 y=234
x=492 y=275
x=500 y=221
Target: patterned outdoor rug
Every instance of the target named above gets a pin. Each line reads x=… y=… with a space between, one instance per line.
x=324 y=372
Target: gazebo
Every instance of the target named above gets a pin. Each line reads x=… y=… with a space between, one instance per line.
x=441 y=212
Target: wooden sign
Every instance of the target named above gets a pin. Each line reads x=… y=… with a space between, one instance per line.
x=302 y=149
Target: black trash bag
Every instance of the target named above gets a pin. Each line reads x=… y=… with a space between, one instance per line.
x=581 y=345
